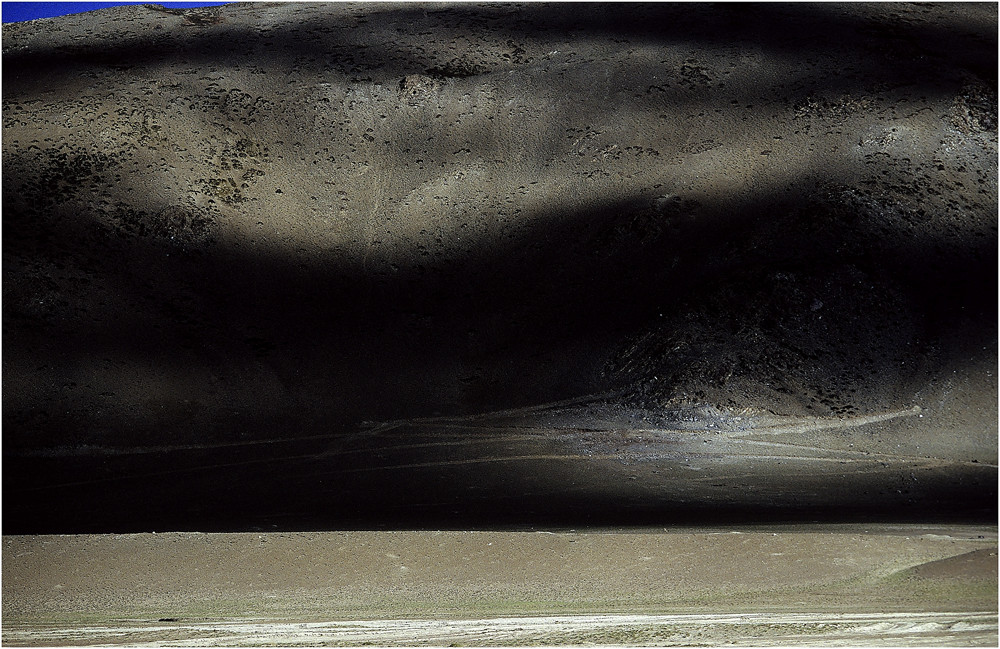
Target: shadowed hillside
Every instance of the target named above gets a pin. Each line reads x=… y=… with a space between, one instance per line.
x=327 y=265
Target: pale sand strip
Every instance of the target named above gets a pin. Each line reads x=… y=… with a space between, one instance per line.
x=764 y=629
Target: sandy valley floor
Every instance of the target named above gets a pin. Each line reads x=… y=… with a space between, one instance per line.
x=885 y=585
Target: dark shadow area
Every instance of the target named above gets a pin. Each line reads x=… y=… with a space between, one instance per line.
x=586 y=281
x=296 y=486
x=554 y=307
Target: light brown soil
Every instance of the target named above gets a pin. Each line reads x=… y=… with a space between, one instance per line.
x=88 y=589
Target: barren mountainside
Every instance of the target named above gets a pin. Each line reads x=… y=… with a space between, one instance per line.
x=306 y=264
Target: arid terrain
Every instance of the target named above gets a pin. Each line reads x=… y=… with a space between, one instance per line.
x=837 y=585
x=319 y=268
